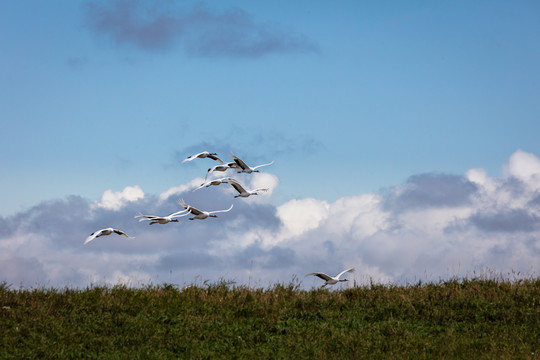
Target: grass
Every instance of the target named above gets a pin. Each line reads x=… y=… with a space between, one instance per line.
x=455 y=319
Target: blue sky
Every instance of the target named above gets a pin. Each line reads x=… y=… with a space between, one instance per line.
x=377 y=105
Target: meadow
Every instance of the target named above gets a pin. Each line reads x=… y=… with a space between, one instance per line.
x=451 y=319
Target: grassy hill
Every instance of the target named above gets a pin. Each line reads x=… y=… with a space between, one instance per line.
x=461 y=319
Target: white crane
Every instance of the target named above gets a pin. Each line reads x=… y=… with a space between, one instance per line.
x=203 y=155
x=201 y=215
x=243 y=167
x=107 y=231
x=162 y=219
x=242 y=192
x=222 y=167
x=215 y=182
x=329 y=280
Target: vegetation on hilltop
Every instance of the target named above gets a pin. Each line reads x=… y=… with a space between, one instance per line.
x=470 y=318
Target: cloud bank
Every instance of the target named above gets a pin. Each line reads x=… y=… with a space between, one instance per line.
x=199 y=31
x=433 y=226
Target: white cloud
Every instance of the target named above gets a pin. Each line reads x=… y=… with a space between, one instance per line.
x=524 y=166
x=182 y=188
x=478 y=176
x=264 y=181
x=299 y=216
x=362 y=214
x=115 y=200
x=434 y=226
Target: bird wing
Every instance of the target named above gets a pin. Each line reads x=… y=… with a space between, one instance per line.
x=178 y=214
x=149 y=217
x=258 y=166
x=120 y=232
x=320 y=275
x=344 y=271
x=215 y=157
x=218 y=168
x=93 y=236
x=183 y=204
x=237 y=187
x=211 y=182
x=193 y=210
x=189 y=158
x=200 y=186
x=220 y=211
x=218 y=181
x=145 y=216
x=239 y=162
x=265 y=189
x=225 y=180
x=208 y=172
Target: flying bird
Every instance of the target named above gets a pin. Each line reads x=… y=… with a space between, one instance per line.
x=223 y=167
x=203 y=155
x=107 y=231
x=242 y=192
x=243 y=167
x=201 y=215
x=162 y=219
x=215 y=182
x=329 y=280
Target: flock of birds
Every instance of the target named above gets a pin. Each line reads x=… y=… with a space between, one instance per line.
x=241 y=167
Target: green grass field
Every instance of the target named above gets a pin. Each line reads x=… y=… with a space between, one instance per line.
x=455 y=319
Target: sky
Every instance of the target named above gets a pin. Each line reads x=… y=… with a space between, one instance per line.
x=404 y=137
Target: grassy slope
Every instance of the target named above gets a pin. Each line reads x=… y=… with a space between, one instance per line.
x=471 y=319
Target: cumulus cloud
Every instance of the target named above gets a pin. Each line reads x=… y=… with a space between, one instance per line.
x=511 y=220
x=524 y=166
x=434 y=226
x=430 y=191
x=200 y=30
x=301 y=215
x=115 y=200
x=180 y=189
